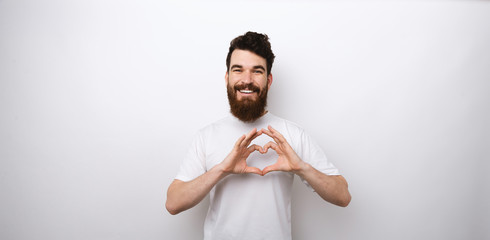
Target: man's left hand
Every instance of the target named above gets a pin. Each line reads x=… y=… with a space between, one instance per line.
x=288 y=160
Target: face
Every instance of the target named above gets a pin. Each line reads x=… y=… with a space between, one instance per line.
x=247 y=69
x=247 y=85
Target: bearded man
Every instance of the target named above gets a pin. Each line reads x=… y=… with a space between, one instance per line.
x=249 y=180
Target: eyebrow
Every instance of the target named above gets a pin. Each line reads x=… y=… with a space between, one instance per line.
x=254 y=67
x=259 y=67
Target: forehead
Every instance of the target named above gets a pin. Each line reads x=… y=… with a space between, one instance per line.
x=246 y=58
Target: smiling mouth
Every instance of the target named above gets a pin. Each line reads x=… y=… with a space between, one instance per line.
x=246 y=91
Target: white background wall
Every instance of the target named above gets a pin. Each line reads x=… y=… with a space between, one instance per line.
x=99 y=101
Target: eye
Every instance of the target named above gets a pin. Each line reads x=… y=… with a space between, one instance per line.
x=258 y=71
x=237 y=70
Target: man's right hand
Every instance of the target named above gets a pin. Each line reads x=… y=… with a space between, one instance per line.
x=236 y=161
x=184 y=195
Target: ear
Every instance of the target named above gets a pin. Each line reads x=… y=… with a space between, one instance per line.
x=226 y=78
x=269 y=80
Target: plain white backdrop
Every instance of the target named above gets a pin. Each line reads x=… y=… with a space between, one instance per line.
x=99 y=101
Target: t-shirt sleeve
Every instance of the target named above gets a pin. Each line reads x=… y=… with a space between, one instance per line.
x=310 y=152
x=194 y=163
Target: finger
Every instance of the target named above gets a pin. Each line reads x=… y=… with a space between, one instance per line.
x=271 y=134
x=274 y=137
x=251 y=134
x=269 y=169
x=257 y=133
x=268 y=145
x=253 y=170
x=249 y=137
x=266 y=131
x=277 y=134
x=239 y=141
x=254 y=148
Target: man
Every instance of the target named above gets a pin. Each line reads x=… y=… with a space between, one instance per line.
x=249 y=180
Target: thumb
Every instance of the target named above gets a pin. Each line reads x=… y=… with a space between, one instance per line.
x=253 y=170
x=270 y=168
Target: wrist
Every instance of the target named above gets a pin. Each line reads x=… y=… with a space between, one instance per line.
x=302 y=168
x=221 y=170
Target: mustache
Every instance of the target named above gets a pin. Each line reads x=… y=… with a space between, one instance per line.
x=249 y=86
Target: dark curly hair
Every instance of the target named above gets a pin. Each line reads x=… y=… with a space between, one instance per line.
x=255 y=42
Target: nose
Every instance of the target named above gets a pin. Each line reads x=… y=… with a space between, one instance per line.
x=247 y=77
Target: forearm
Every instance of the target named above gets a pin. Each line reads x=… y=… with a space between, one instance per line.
x=184 y=195
x=332 y=188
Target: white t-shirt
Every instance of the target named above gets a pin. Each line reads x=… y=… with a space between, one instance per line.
x=249 y=206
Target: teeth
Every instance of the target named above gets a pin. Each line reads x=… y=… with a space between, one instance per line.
x=246 y=91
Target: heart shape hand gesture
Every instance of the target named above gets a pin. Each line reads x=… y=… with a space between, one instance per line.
x=236 y=161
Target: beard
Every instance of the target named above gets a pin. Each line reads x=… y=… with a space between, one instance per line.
x=247 y=110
